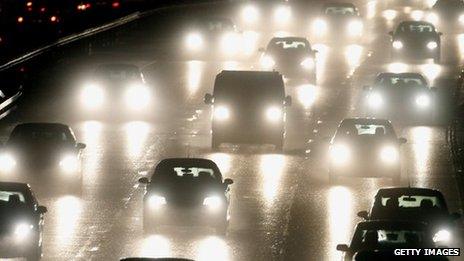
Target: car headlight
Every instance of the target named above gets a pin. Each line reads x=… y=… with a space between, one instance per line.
x=432 y=18
x=397 y=44
x=230 y=43
x=7 y=162
x=221 y=113
x=320 y=27
x=308 y=63
x=423 y=101
x=22 y=231
x=69 y=163
x=389 y=154
x=355 y=28
x=137 y=97
x=442 y=236
x=92 y=96
x=274 y=114
x=194 y=41
x=432 y=45
x=461 y=19
x=250 y=14
x=267 y=62
x=339 y=154
x=213 y=202
x=155 y=201
x=282 y=14
x=375 y=100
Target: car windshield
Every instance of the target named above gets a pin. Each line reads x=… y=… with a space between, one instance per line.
x=417 y=28
x=218 y=25
x=402 y=82
x=387 y=238
x=7 y=196
x=364 y=130
x=340 y=10
x=184 y=174
x=43 y=135
x=118 y=73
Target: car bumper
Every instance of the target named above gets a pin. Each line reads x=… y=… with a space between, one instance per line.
x=186 y=216
x=416 y=53
x=248 y=134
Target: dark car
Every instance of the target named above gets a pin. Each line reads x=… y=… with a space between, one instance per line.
x=21 y=222
x=415 y=204
x=291 y=56
x=248 y=107
x=186 y=191
x=116 y=87
x=338 y=21
x=365 y=147
x=37 y=149
x=402 y=96
x=213 y=37
x=447 y=14
x=386 y=235
x=416 y=40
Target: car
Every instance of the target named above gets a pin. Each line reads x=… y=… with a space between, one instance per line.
x=338 y=21
x=415 y=204
x=22 y=220
x=291 y=56
x=416 y=40
x=265 y=16
x=116 y=87
x=186 y=191
x=365 y=147
x=387 y=235
x=248 y=107
x=37 y=149
x=447 y=14
x=213 y=37
x=401 y=96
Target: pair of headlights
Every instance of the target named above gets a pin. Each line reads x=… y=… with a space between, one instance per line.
x=230 y=42
x=273 y=113
x=375 y=101
x=251 y=14
x=68 y=163
x=212 y=202
x=340 y=154
x=398 y=45
x=354 y=28
x=267 y=62
x=136 y=97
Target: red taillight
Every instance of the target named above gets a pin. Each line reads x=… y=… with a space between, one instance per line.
x=83 y=7
x=20 y=19
x=53 y=19
x=115 y=4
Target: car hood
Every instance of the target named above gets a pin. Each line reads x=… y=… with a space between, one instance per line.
x=187 y=194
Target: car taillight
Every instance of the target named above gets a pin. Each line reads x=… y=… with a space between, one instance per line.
x=115 y=4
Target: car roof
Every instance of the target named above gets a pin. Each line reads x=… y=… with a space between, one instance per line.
x=408 y=191
x=15 y=186
x=390 y=224
x=42 y=125
x=366 y=121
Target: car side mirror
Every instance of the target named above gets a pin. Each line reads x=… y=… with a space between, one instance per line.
x=288 y=101
x=208 y=99
x=144 y=180
x=343 y=247
x=402 y=140
x=261 y=50
x=228 y=182
x=455 y=216
x=81 y=146
x=363 y=214
x=42 y=209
